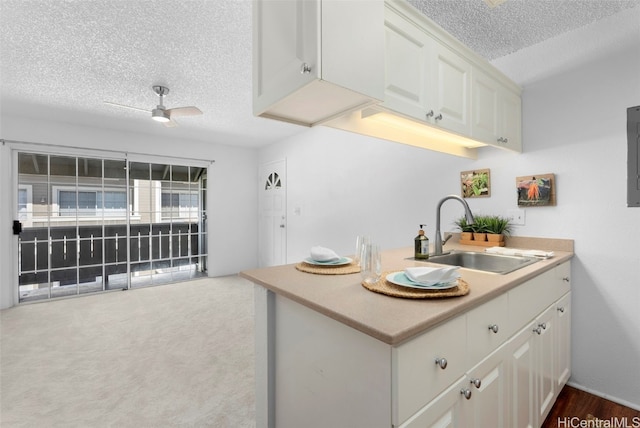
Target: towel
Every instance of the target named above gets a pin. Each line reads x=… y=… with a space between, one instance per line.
x=322 y=254
x=431 y=275
x=520 y=252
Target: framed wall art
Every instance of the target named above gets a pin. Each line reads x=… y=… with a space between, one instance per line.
x=536 y=190
x=475 y=184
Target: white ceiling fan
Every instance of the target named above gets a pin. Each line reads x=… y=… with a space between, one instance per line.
x=161 y=113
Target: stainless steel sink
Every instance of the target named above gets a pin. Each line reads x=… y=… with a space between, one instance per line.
x=483 y=261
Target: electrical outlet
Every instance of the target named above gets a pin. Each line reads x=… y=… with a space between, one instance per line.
x=516 y=217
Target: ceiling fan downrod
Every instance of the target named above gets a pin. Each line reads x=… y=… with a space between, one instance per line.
x=159 y=113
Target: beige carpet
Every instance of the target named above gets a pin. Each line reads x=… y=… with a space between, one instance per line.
x=178 y=355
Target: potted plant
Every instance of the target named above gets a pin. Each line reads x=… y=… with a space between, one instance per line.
x=479 y=228
x=497 y=228
x=466 y=230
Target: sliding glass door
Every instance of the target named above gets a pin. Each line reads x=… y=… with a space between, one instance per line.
x=96 y=224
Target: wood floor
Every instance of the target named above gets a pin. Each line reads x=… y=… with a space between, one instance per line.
x=575 y=406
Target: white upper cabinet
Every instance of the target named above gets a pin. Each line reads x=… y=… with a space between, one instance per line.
x=451 y=77
x=342 y=63
x=496 y=112
x=424 y=79
x=316 y=59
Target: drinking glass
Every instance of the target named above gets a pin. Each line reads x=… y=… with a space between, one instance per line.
x=370 y=267
x=360 y=243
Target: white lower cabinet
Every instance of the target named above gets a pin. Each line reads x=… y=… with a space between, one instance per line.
x=499 y=364
x=517 y=361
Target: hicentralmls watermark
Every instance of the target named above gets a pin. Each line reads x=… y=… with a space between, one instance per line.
x=613 y=422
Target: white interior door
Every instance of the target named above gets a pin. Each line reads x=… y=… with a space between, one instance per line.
x=273 y=207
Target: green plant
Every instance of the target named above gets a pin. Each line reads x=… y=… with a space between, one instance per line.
x=462 y=224
x=498 y=225
x=479 y=224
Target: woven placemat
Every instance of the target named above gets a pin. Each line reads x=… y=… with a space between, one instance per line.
x=383 y=286
x=328 y=270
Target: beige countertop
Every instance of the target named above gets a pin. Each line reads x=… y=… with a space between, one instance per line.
x=394 y=320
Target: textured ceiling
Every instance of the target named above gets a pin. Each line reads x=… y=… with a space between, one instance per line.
x=62 y=59
x=515 y=24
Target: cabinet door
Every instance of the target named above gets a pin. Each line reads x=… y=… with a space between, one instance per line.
x=521 y=355
x=546 y=355
x=406 y=52
x=488 y=381
x=450 y=83
x=416 y=376
x=484 y=110
x=510 y=120
x=448 y=410
x=563 y=341
x=281 y=50
x=486 y=329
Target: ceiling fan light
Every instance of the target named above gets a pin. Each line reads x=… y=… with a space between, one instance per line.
x=160 y=115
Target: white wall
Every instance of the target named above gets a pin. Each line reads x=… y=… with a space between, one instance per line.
x=232 y=188
x=575 y=127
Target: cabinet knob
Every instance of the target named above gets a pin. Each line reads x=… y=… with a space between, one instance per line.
x=501 y=140
x=537 y=330
x=466 y=393
x=493 y=328
x=305 y=68
x=505 y=140
x=442 y=363
x=438 y=117
x=543 y=325
x=561 y=309
x=430 y=114
x=566 y=279
x=476 y=382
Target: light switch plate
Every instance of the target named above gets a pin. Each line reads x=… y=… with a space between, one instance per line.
x=516 y=216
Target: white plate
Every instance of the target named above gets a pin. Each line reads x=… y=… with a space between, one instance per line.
x=341 y=262
x=399 y=278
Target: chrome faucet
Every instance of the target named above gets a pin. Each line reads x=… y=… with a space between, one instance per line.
x=467 y=212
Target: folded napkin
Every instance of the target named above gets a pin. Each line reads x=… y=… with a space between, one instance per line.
x=431 y=276
x=322 y=254
x=520 y=252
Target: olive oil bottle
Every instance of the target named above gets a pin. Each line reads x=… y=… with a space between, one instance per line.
x=421 y=245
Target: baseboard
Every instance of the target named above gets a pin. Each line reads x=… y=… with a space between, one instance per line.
x=605 y=396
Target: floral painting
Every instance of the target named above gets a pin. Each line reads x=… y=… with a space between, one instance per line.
x=536 y=190
x=475 y=183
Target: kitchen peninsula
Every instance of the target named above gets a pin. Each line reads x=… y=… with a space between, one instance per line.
x=331 y=353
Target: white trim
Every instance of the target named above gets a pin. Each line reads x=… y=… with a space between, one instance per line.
x=605 y=396
x=51 y=149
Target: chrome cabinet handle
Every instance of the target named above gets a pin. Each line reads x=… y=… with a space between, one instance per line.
x=476 y=382
x=502 y=140
x=442 y=363
x=305 y=68
x=430 y=114
x=537 y=330
x=438 y=117
x=560 y=309
x=543 y=325
x=493 y=328
x=466 y=393
x=566 y=279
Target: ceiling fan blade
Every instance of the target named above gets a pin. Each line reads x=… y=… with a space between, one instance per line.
x=124 y=106
x=184 y=111
x=170 y=124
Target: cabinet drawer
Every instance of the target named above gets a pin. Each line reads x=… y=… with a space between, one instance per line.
x=416 y=377
x=529 y=299
x=486 y=329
